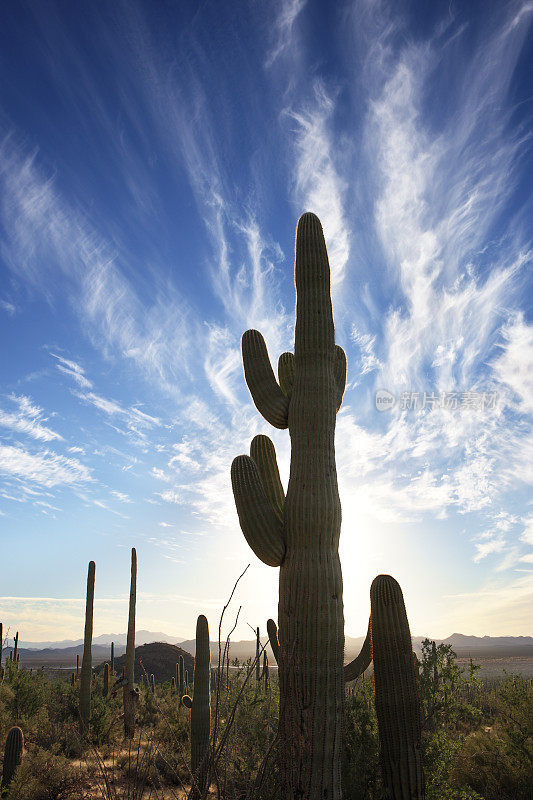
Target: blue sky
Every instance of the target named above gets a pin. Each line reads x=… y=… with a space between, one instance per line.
x=154 y=160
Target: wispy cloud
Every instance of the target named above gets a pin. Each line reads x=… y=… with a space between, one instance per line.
x=28 y=419
x=73 y=370
x=319 y=186
x=45 y=468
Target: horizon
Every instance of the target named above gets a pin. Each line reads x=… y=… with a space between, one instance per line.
x=154 y=161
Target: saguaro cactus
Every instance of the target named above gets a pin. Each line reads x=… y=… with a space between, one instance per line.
x=257 y=656
x=200 y=707
x=397 y=701
x=300 y=533
x=129 y=695
x=86 y=664
x=106 y=679
x=16 y=647
x=1 y=642
x=12 y=755
x=112 y=663
x=181 y=676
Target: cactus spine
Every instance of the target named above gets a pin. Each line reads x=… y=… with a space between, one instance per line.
x=397 y=701
x=300 y=533
x=201 y=707
x=12 y=755
x=86 y=664
x=106 y=679
x=128 y=693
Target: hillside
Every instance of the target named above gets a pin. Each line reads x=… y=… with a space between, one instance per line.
x=158 y=658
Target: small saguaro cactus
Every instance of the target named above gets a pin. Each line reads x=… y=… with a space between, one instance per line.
x=200 y=706
x=181 y=676
x=16 y=647
x=1 y=642
x=112 y=661
x=73 y=679
x=106 y=679
x=396 y=692
x=265 y=669
x=12 y=755
x=152 y=683
x=257 y=656
x=300 y=532
x=129 y=696
x=86 y=664
x=77 y=665
x=186 y=681
x=173 y=684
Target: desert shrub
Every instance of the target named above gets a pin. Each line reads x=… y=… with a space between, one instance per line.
x=45 y=775
x=360 y=768
x=498 y=761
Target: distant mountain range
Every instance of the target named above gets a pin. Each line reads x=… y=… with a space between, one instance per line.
x=64 y=653
x=105 y=639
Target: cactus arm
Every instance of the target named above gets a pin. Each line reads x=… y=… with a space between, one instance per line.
x=397 y=701
x=286 y=373
x=264 y=454
x=266 y=393
x=340 y=373
x=272 y=630
x=356 y=667
x=261 y=525
x=186 y=701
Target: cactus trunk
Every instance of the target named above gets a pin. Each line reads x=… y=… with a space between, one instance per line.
x=112 y=664
x=128 y=693
x=86 y=664
x=201 y=707
x=106 y=679
x=301 y=534
x=181 y=677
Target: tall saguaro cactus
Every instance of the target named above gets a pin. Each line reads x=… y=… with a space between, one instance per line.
x=397 y=701
x=300 y=532
x=129 y=695
x=200 y=707
x=86 y=664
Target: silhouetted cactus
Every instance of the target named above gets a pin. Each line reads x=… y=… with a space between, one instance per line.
x=106 y=679
x=257 y=656
x=16 y=647
x=86 y=664
x=265 y=670
x=173 y=684
x=129 y=696
x=396 y=692
x=1 y=642
x=181 y=677
x=77 y=665
x=152 y=683
x=12 y=755
x=300 y=533
x=112 y=662
x=200 y=707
